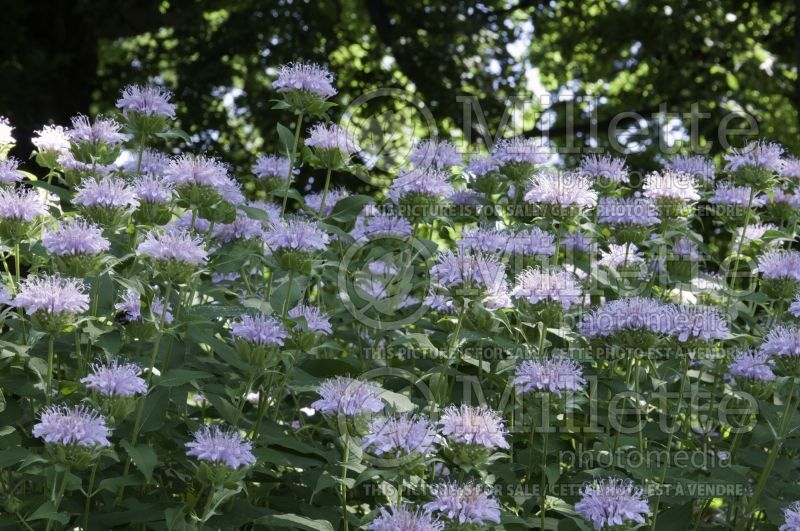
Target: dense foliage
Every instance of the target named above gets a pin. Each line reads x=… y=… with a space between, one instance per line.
x=495 y=343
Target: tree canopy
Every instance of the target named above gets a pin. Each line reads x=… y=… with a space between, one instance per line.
x=474 y=65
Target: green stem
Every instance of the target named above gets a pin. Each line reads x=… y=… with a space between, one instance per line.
x=445 y=387
x=12 y=283
x=60 y=495
x=17 y=266
x=79 y=353
x=343 y=488
x=788 y=413
x=250 y=381
x=291 y=162
x=684 y=377
x=137 y=426
x=16 y=286
x=325 y=192
x=263 y=406
x=290 y=281
x=543 y=479
x=739 y=246
x=50 y=362
x=89 y=495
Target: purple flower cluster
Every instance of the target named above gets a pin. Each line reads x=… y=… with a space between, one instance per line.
x=108 y=192
x=781 y=342
x=618 y=256
x=241 y=228
x=78 y=425
x=152 y=189
x=153 y=163
x=420 y=181
x=752 y=365
x=560 y=189
x=726 y=193
x=755 y=232
x=482 y=239
x=51 y=139
x=702 y=323
x=131 y=308
x=696 y=166
x=296 y=235
x=6 y=299
x=790 y=167
x=670 y=185
x=529 y=242
x=271 y=166
x=400 y=436
x=550 y=375
x=115 y=379
x=221 y=447
x=259 y=330
x=519 y=150
x=537 y=285
x=173 y=245
x=21 y=205
x=635 y=313
x=306 y=77
x=401 y=518
x=52 y=295
x=473 y=425
x=9 y=171
x=686 y=249
x=198 y=170
x=380 y=225
x=316 y=320
x=469 y=269
x=612 y=502
x=481 y=165
x=102 y=130
x=150 y=100
x=762 y=155
x=466 y=504
x=627 y=211
x=441 y=155
x=314 y=201
x=604 y=167
x=467 y=198
x=331 y=137
x=794 y=307
x=346 y=396
x=75 y=236
x=780 y=265
x=782 y=196
x=791 y=517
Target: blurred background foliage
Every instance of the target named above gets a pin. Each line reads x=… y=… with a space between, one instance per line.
x=585 y=61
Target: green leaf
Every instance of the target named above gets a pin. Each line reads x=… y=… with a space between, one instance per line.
x=113 y=484
x=155 y=409
x=144 y=457
x=733 y=83
x=286 y=140
x=213 y=311
x=12 y=456
x=48 y=511
x=295 y=521
x=349 y=207
x=176 y=519
x=176 y=377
